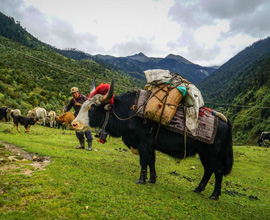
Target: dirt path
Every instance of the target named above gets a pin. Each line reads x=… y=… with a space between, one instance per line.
x=9 y=162
x=17 y=151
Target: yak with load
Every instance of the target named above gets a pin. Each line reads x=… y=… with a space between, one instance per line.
x=107 y=112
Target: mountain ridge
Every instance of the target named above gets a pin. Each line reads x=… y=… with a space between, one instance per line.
x=135 y=65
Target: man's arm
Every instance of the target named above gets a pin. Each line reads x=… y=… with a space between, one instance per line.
x=68 y=106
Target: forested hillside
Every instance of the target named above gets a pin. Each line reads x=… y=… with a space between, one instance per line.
x=241 y=89
x=33 y=77
x=250 y=110
x=224 y=84
x=14 y=31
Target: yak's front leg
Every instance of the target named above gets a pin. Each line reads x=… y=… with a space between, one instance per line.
x=143 y=175
x=147 y=157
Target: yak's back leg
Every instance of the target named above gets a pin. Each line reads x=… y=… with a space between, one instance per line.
x=206 y=176
x=152 y=166
x=212 y=164
x=217 y=190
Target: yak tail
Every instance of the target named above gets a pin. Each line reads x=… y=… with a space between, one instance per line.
x=228 y=160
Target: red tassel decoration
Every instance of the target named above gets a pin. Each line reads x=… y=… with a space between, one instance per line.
x=160 y=105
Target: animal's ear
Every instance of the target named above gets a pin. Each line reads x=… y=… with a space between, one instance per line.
x=109 y=94
x=93 y=87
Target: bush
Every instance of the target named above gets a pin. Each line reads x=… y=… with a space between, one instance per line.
x=11 y=103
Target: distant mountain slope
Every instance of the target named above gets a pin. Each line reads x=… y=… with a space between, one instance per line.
x=139 y=63
x=135 y=65
x=241 y=89
x=14 y=31
x=226 y=82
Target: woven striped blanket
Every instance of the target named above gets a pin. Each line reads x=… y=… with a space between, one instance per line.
x=207 y=127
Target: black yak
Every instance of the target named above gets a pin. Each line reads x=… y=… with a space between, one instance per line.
x=216 y=158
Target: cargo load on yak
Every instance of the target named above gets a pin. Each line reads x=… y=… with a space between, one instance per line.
x=167 y=92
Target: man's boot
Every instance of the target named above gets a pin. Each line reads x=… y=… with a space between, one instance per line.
x=89 y=146
x=81 y=146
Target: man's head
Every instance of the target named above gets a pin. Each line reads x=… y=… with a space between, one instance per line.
x=75 y=92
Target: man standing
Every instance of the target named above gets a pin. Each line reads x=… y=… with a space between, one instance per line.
x=76 y=102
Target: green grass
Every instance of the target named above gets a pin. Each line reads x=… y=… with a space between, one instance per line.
x=100 y=184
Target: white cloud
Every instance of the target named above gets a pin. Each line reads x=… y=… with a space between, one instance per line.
x=219 y=29
x=207 y=32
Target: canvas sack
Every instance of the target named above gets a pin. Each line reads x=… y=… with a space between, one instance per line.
x=163 y=104
x=157 y=76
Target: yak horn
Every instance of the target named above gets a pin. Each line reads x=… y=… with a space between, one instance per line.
x=109 y=94
x=93 y=87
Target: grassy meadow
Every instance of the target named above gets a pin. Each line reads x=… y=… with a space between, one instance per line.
x=100 y=184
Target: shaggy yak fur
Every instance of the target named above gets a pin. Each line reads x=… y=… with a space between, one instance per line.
x=27 y=122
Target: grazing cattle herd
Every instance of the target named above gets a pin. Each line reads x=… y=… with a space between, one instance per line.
x=37 y=115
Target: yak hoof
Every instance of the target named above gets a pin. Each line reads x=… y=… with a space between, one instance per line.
x=151 y=181
x=198 y=189
x=140 y=182
x=215 y=195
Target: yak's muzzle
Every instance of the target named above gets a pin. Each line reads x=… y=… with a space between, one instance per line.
x=77 y=125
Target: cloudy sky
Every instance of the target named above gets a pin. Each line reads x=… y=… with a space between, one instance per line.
x=206 y=32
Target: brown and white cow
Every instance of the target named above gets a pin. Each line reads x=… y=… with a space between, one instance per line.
x=66 y=118
x=51 y=119
x=39 y=113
